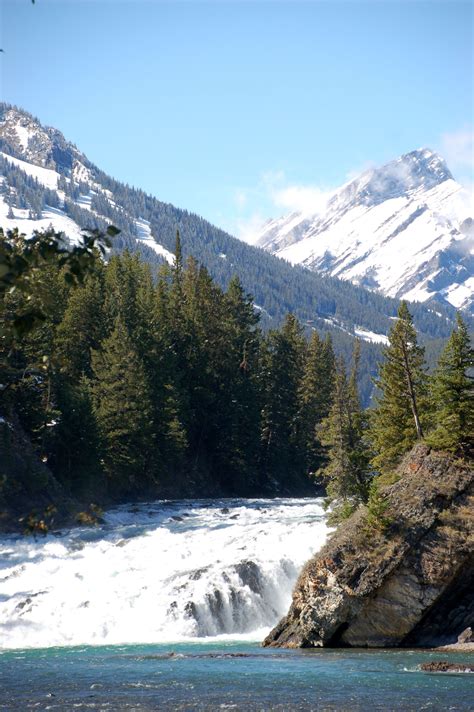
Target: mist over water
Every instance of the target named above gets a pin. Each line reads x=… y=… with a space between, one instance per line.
x=159 y=572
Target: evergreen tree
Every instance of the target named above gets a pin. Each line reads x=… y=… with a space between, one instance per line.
x=452 y=391
x=282 y=364
x=123 y=411
x=315 y=397
x=82 y=327
x=163 y=376
x=343 y=433
x=401 y=407
x=74 y=442
x=240 y=442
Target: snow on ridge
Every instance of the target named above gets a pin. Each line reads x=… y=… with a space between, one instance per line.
x=46 y=176
x=258 y=308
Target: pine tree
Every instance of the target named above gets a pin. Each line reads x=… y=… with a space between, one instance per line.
x=126 y=278
x=123 y=411
x=401 y=408
x=315 y=397
x=239 y=445
x=75 y=444
x=343 y=433
x=452 y=392
x=163 y=376
x=82 y=327
x=282 y=363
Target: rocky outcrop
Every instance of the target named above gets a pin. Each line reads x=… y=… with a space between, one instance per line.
x=444 y=666
x=409 y=585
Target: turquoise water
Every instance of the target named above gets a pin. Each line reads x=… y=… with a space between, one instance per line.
x=214 y=575
x=226 y=675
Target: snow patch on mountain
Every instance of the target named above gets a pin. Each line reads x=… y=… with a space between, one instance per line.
x=367 y=335
x=24 y=135
x=50 y=217
x=45 y=176
x=146 y=238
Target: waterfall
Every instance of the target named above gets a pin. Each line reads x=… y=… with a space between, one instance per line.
x=158 y=572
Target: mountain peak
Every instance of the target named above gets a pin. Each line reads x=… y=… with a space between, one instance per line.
x=23 y=136
x=420 y=169
x=399 y=228
x=428 y=164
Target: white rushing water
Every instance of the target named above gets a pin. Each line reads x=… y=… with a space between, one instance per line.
x=158 y=572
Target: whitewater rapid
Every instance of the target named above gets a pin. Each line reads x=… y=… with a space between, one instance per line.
x=158 y=572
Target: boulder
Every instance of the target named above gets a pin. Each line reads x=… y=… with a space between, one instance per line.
x=443 y=666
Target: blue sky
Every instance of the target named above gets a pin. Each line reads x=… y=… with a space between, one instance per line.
x=244 y=110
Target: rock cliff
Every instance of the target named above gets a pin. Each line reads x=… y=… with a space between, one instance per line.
x=409 y=585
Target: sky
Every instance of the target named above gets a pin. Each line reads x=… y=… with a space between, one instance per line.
x=241 y=111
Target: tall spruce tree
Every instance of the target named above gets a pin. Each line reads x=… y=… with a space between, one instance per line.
x=242 y=403
x=82 y=327
x=347 y=472
x=315 y=398
x=282 y=363
x=401 y=411
x=123 y=411
x=452 y=393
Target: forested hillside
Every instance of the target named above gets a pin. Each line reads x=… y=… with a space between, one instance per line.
x=72 y=188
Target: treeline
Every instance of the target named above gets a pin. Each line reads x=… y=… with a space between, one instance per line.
x=364 y=448
x=138 y=383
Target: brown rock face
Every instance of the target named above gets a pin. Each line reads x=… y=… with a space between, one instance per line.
x=410 y=585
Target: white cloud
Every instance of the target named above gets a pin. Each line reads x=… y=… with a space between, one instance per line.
x=457 y=148
x=275 y=195
x=306 y=199
x=248 y=229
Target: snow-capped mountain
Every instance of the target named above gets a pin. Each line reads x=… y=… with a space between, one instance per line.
x=44 y=158
x=405 y=229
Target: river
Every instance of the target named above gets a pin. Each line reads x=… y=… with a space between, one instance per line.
x=163 y=606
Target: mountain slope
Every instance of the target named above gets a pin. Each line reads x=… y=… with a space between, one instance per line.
x=46 y=180
x=405 y=229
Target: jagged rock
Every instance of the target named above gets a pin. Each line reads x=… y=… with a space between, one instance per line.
x=190 y=610
x=467 y=636
x=249 y=574
x=443 y=666
x=409 y=585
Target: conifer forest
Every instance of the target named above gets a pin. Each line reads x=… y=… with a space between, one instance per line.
x=133 y=381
